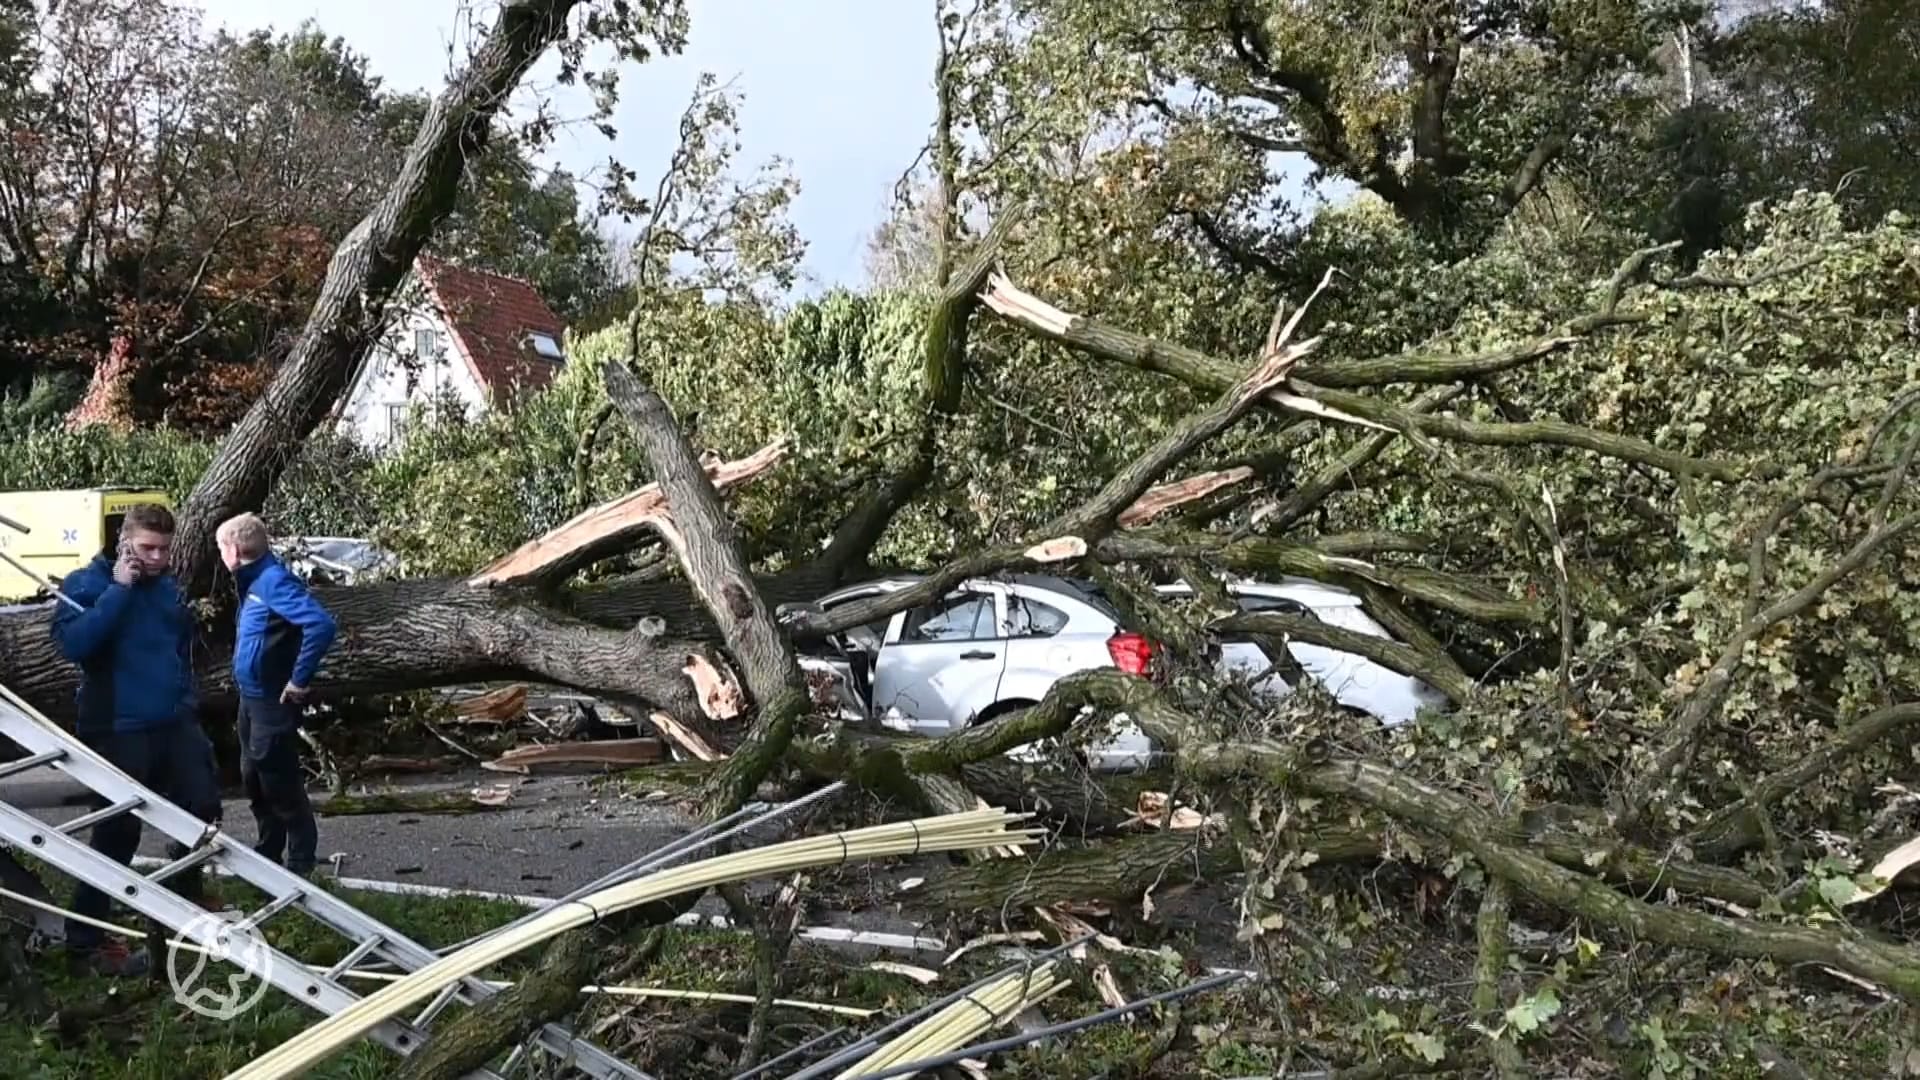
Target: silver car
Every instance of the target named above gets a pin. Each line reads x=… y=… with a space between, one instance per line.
x=996 y=645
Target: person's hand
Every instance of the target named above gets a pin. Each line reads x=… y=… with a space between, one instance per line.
x=293 y=695
x=126 y=570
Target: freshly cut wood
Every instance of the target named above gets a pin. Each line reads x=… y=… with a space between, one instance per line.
x=1058 y=549
x=683 y=737
x=500 y=705
x=604 y=752
x=1161 y=499
x=612 y=526
x=1151 y=810
x=949 y=832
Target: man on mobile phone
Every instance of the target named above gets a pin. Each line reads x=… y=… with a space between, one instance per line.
x=134 y=645
x=283 y=633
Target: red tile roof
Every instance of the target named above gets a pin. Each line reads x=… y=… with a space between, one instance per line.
x=490 y=316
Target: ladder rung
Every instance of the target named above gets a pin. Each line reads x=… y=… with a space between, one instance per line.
x=358 y=954
x=27 y=764
x=184 y=863
x=124 y=806
x=437 y=1005
x=278 y=905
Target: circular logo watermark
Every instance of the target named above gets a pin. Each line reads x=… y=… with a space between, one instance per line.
x=218 y=999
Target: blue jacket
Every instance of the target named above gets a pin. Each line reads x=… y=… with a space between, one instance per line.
x=283 y=630
x=134 y=646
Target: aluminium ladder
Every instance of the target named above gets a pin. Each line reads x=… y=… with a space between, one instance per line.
x=48 y=745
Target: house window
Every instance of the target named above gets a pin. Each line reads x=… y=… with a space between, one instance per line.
x=396 y=417
x=426 y=344
x=546 y=345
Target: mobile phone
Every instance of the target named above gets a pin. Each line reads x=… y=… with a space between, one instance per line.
x=127 y=554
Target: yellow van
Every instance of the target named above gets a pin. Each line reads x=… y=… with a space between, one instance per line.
x=68 y=528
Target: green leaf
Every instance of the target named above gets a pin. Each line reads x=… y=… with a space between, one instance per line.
x=1529 y=1013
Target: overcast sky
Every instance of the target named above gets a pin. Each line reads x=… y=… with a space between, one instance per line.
x=840 y=88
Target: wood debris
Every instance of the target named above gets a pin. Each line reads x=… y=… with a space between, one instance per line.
x=603 y=752
x=498 y=706
x=923 y=976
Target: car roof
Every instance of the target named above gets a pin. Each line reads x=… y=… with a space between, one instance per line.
x=1073 y=588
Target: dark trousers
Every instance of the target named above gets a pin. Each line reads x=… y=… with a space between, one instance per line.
x=270 y=770
x=177 y=762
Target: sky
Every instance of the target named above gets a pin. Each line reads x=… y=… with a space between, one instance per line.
x=842 y=89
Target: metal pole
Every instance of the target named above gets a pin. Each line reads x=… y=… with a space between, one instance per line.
x=793 y=1053
x=33 y=575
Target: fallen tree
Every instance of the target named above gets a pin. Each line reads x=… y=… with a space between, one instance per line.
x=1630 y=594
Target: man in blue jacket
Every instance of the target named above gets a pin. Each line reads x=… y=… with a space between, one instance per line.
x=283 y=633
x=134 y=645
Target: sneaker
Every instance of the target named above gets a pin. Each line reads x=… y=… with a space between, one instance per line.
x=114 y=959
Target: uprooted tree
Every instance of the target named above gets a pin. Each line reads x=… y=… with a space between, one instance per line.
x=1650 y=533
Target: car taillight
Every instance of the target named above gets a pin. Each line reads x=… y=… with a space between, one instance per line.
x=1132 y=653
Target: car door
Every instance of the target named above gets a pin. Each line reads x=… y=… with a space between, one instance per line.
x=833 y=663
x=941 y=663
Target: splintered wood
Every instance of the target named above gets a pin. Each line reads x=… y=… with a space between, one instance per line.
x=717 y=690
x=615 y=521
x=684 y=737
x=506 y=704
x=1161 y=499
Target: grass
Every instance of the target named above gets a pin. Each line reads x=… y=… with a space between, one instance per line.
x=150 y=1037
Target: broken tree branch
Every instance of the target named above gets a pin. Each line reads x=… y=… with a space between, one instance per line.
x=944 y=359
x=1734 y=827
x=1071 y=534
x=1437 y=671
x=610 y=528
x=1469 y=828
x=361 y=278
x=1682 y=738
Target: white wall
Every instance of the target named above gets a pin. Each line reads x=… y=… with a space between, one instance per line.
x=394 y=376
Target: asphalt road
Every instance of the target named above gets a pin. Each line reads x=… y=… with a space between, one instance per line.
x=557 y=832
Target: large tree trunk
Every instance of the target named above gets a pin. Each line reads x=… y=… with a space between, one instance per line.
x=414 y=634
x=366 y=268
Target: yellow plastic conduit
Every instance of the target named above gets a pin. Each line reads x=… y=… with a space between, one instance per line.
x=948 y=832
x=961 y=1022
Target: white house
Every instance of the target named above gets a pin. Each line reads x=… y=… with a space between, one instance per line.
x=460 y=338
